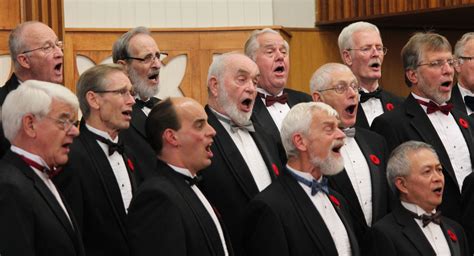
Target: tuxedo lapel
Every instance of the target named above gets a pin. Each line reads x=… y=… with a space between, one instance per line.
x=361 y=119
x=453 y=242
x=347 y=225
x=420 y=122
x=309 y=215
x=232 y=157
x=199 y=211
x=262 y=116
x=265 y=154
x=457 y=100
x=466 y=131
x=412 y=231
x=138 y=121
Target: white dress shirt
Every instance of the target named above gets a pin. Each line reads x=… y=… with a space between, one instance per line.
x=453 y=141
x=465 y=92
x=328 y=214
x=250 y=153
x=358 y=171
x=118 y=167
x=372 y=107
x=43 y=176
x=277 y=111
x=433 y=232
x=205 y=203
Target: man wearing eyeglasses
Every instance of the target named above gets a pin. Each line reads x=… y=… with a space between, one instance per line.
x=363 y=181
x=426 y=116
x=34 y=217
x=102 y=174
x=37 y=54
x=138 y=52
x=362 y=50
x=463 y=93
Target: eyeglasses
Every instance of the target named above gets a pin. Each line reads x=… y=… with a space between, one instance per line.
x=150 y=57
x=124 y=92
x=439 y=63
x=469 y=58
x=342 y=88
x=65 y=124
x=48 y=47
x=368 y=49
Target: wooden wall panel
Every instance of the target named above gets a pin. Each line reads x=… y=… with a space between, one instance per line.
x=10 y=14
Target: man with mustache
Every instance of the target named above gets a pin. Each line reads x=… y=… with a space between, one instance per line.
x=298 y=214
x=40 y=122
x=415 y=226
x=463 y=93
x=170 y=215
x=272 y=54
x=426 y=116
x=37 y=54
x=102 y=174
x=365 y=152
x=363 y=52
x=246 y=159
x=138 y=52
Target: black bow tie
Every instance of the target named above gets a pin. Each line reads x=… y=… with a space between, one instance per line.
x=150 y=103
x=315 y=185
x=113 y=147
x=365 y=96
x=469 y=101
x=350 y=132
x=191 y=181
x=270 y=99
x=427 y=218
x=432 y=107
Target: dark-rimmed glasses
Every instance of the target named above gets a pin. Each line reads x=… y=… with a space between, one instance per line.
x=150 y=57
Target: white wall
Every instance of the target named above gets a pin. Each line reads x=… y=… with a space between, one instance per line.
x=187 y=13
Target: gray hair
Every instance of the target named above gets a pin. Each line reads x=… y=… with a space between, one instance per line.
x=345 y=40
x=461 y=43
x=94 y=79
x=421 y=42
x=120 y=50
x=32 y=97
x=252 y=44
x=323 y=76
x=16 y=44
x=298 y=120
x=399 y=164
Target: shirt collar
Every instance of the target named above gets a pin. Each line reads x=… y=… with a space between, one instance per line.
x=181 y=170
x=28 y=155
x=101 y=133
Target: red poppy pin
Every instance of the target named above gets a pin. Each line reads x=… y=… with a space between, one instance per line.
x=463 y=123
x=130 y=165
x=334 y=200
x=453 y=236
x=275 y=170
x=375 y=159
x=389 y=106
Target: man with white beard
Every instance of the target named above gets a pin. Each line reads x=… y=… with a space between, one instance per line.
x=298 y=214
x=245 y=157
x=138 y=52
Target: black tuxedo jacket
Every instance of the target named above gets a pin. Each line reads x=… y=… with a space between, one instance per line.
x=90 y=186
x=262 y=116
x=167 y=218
x=457 y=100
x=228 y=183
x=467 y=219
x=374 y=148
x=410 y=122
x=9 y=86
x=398 y=234
x=389 y=103
x=283 y=221
x=31 y=219
x=135 y=137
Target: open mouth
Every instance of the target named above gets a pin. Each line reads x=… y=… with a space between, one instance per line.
x=350 y=109
x=446 y=84
x=208 y=150
x=58 y=67
x=279 y=69
x=375 y=65
x=438 y=190
x=247 y=102
x=154 y=76
x=127 y=113
x=337 y=148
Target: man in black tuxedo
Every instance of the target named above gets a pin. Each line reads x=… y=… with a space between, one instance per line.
x=363 y=52
x=463 y=93
x=102 y=173
x=39 y=121
x=415 y=227
x=362 y=183
x=169 y=214
x=271 y=53
x=138 y=52
x=425 y=115
x=37 y=54
x=246 y=159
x=298 y=214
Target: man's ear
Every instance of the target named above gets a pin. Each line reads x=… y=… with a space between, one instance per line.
x=412 y=76
x=93 y=100
x=122 y=62
x=23 y=60
x=299 y=141
x=169 y=136
x=28 y=125
x=401 y=185
x=347 y=58
x=317 y=97
x=213 y=84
